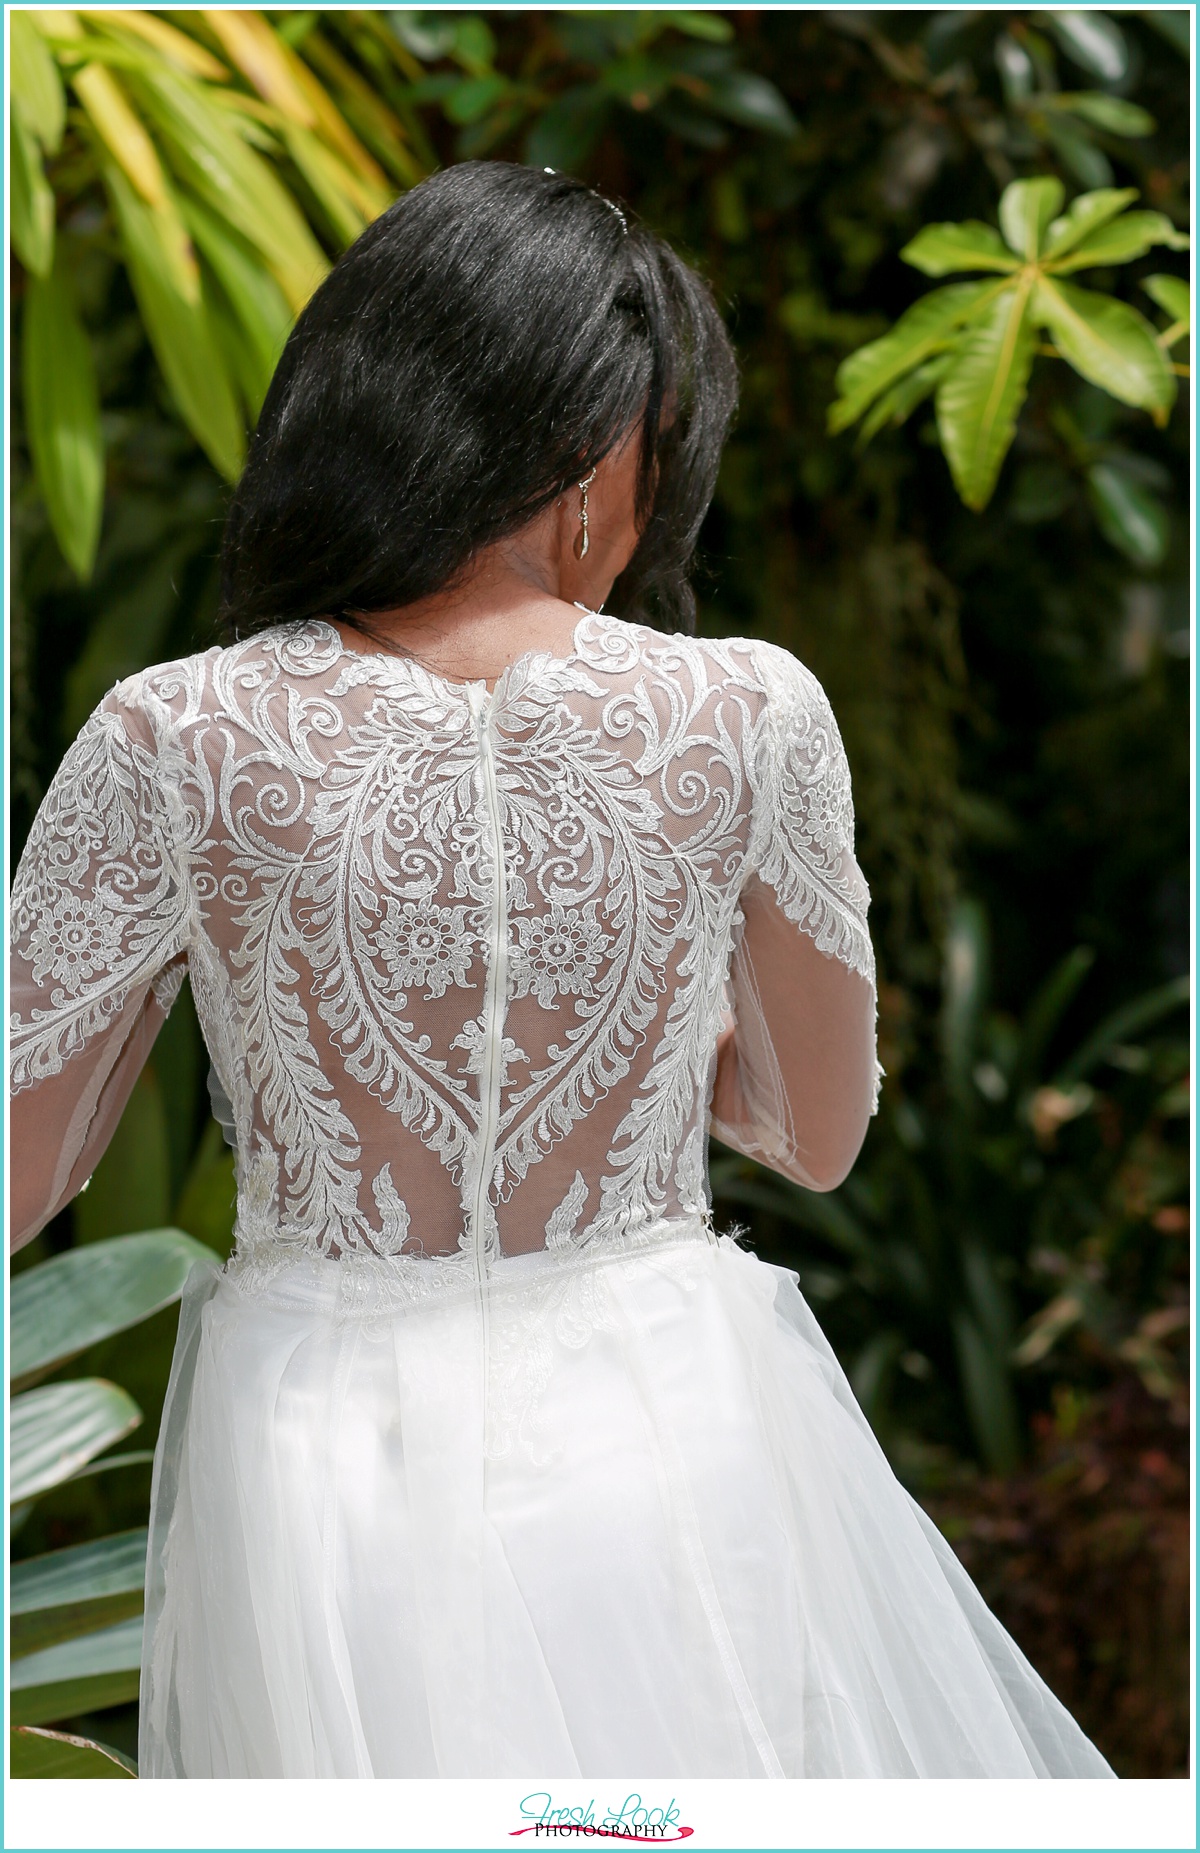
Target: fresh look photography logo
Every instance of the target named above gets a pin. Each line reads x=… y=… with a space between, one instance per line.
x=635 y=1819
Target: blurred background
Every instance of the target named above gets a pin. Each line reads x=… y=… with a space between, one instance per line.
x=981 y=550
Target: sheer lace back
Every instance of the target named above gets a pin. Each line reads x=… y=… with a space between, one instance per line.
x=462 y=960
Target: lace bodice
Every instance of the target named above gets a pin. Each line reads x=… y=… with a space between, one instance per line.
x=476 y=971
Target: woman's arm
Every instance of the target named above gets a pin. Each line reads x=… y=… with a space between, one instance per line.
x=100 y=919
x=796 y=1068
x=796 y=1075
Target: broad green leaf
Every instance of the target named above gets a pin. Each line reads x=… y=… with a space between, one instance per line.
x=31 y=201
x=255 y=299
x=204 y=146
x=62 y=1306
x=180 y=333
x=979 y=398
x=902 y=399
x=1121 y=240
x=62 y=417
x=1108 y=342
x=57 y=1757
x=1026 y=209
x=1075 y=145
x=712 y=26
x=55 y=1430
x=35 y=86
x=1085 y=215
x=1116 y=115
x=130 y=1189
x=1130 y=516
x=474 y=97
x=73 y=1677
x=927 y=326
x=1093 y=41
x=72 y=1592
x=1174 y=294
x=940 y=249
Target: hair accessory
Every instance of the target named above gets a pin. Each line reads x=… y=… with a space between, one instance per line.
x=613 y=207
x=581 y=539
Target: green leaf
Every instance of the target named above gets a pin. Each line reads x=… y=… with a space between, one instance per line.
x=72 y=1592
x=1046 y=1012
x=1093 y=41
x=940 y=249
x=475 y=96
x=988 y=1395
x=564 y=134
x=60 y=1307
x=57 y=1429
x=1131 y=1019
x=1121 y=240
x=1107 y=342
x=1026 y=209
x=204 y=145
x=902 y=399
x=1114 y=114
x=1174 y=294
x=711 y=26
x=925 y=327
x=57 y=1757
x=83 y=1675
x=1130 y=516
x=35 y=86
x=31 y=201
x=62 y=417
x=180 y=333
x=326 y=176
x=752 y=101
x=979 y=398
x=1085 y=215
x=130 y=1189
x=1074 y=144
x=964 y=991
x=1175 y=28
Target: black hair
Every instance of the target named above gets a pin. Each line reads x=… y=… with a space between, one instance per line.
x=484 y=342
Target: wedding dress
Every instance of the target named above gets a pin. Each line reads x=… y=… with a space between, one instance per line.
x=486 y=1455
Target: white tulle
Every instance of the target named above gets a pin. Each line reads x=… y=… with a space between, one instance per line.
x=711 y=1571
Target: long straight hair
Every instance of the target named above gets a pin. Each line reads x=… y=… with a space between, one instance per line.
x=478 y=349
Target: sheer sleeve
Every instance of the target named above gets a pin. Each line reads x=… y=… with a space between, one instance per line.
x=100 y=922
x=797 y=1076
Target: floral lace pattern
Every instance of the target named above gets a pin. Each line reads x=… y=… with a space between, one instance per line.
x=458 y=959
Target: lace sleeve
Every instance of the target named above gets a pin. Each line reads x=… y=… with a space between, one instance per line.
x=100 y=920
x=797 y=1074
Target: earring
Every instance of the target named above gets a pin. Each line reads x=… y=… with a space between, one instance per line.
x=581 y=539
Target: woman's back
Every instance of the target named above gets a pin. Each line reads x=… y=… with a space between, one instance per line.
x=458 y=956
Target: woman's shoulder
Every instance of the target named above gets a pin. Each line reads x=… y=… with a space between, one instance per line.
x=745 y=663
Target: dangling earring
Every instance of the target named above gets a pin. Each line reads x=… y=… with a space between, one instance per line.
x=581 y=539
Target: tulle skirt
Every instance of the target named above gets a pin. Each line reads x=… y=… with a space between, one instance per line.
x=622 y=1517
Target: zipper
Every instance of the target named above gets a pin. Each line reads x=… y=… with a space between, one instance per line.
x=494 y=1007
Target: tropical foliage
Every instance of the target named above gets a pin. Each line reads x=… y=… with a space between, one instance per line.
x=1004 y=643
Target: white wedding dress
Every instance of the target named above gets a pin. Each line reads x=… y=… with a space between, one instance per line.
x=485 y=1455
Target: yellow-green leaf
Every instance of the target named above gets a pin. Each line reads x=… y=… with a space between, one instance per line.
x=1115 y=115
x=1083 y=216
x=1026 y=209
x=1174 y=294
x=923 y=329
x=207 y=152
x=35 y=85
x=31 y=201
x=62 y=418
x=175 y=46
x=1108 y=342
x=941 y=249
x=56 y=1756
x=1121 y=240
x=979 y=398
x=330 y=180
x=120 y=131
x=261 y=316
x=180 y=333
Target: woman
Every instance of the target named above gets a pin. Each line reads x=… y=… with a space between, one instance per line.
x=485 y=1455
